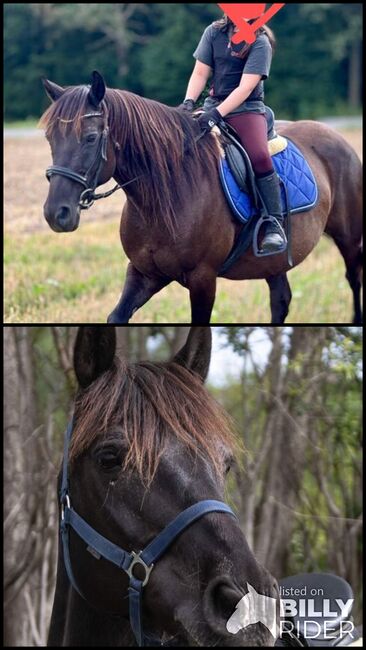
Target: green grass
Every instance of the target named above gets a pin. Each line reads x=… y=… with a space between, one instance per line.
x=30 y=123
x=56 y=279
x=78 y=278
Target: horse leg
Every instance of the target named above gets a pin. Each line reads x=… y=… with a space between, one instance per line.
x=354 y=277
x=280 y=294
x=137 y=291
x=353 y=259
x=202 y=292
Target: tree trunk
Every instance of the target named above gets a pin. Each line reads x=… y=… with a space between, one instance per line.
x=289 y=420
x=124 y=343
x=19 y=460
x=180 y=335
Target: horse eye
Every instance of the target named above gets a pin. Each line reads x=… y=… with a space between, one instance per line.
x=109 y=462
x=90 y=139
x=228 y=465
x=109 y=458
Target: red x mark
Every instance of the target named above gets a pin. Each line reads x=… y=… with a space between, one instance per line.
x=238 y=13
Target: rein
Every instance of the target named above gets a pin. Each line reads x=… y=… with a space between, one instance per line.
x=96 y=197
x=145 y=559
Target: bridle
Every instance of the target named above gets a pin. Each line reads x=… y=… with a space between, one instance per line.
x=88 y=196
x=99 y=546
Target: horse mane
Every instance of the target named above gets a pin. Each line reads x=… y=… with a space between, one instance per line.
x=157 y=142
x=152 y=402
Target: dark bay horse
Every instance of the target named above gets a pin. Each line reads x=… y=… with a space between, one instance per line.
x=148 y=442
x=176 y=223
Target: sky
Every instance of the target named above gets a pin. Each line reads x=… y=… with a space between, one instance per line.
x=225 y=363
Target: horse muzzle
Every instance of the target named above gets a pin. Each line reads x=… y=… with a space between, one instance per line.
x=63 y=219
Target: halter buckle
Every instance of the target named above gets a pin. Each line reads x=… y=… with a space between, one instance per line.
x=138 y=560
x=66 y=501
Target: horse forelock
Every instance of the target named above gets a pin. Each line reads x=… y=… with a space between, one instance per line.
x=151 y=403
x=65 y=114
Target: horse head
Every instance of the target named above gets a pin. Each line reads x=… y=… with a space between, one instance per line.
x=148 y=442
x=82 y=152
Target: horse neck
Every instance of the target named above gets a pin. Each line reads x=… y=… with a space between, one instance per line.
x=75 y=623
x=142 y=188
x=87 y=627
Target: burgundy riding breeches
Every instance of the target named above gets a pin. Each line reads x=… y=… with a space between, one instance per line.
x=252 y=130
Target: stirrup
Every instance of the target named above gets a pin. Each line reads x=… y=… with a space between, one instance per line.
x=257 y=251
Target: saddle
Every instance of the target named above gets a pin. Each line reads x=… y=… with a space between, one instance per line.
x=299 y=191
x=240 y=166
x=238 y=159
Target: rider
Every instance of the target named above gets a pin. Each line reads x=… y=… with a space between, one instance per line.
x=236 y=94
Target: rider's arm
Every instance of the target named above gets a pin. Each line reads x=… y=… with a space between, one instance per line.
x=196 y=85
x=240 y=94
x=256 y=69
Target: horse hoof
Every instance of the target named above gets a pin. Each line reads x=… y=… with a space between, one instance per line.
x=113 y=319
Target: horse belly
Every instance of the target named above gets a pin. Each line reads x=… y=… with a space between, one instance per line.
x=152 y=256
x=307 y=229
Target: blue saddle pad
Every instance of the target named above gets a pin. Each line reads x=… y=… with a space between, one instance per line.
x=294 y=171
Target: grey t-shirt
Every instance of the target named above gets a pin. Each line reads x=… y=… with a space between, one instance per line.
x=216 y=50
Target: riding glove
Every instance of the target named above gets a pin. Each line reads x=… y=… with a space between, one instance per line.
x=188 y=105
x=209 y=119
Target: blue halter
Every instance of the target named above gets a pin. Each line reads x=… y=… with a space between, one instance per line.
x=99 y=546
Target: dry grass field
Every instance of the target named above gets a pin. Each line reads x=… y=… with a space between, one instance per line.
x=77 y=278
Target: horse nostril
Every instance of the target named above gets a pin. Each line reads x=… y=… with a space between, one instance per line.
x=220 y=600
x=225 y=598
x=62 y=215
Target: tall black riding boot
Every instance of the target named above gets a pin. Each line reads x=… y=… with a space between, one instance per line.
x=274 y=237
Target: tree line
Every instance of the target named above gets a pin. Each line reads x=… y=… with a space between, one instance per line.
x=147 y=49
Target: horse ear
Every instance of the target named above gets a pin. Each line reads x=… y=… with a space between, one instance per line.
x=196 y=353
x=53 y=90
x=97 y=89
x=94 y=353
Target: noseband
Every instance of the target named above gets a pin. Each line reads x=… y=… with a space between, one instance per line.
x=99 y=546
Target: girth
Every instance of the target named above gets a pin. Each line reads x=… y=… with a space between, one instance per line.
x=99 y=546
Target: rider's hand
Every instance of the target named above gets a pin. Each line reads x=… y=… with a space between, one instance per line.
x=188 y=105
x=209 y=119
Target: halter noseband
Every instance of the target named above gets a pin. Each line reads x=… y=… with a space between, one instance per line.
x=99 y=546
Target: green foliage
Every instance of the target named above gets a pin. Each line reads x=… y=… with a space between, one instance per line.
x=329 y=499
x=167 y=60
x=147 y=49
x=311 y=68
